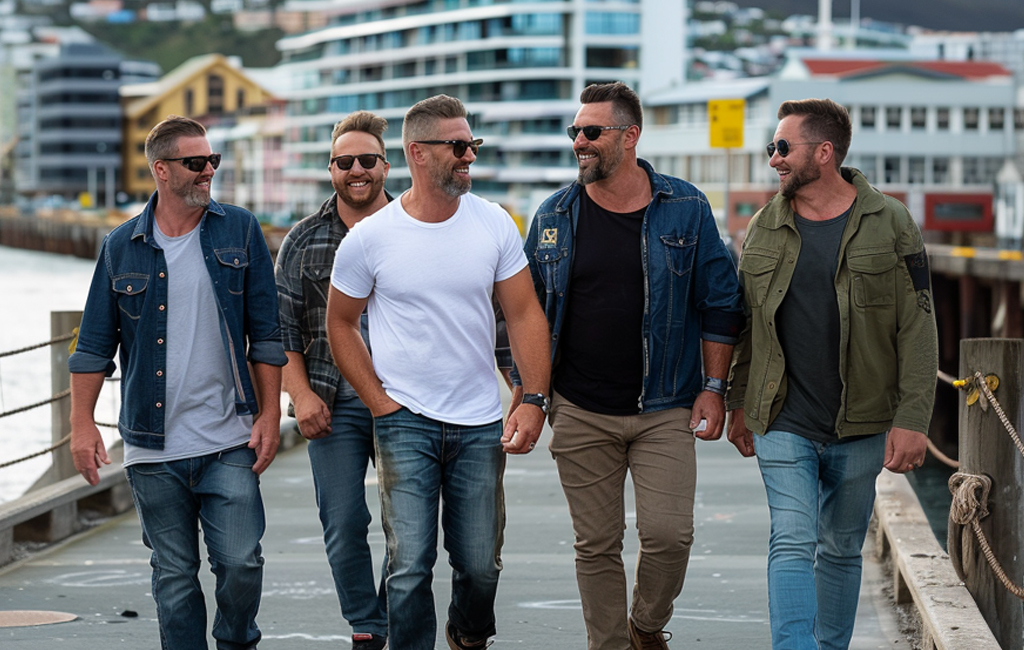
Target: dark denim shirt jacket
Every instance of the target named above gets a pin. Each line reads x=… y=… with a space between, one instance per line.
x=690 y=283
x=127 y=308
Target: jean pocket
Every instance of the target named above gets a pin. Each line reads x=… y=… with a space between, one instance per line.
x=131 y=293
x=680 y=252
x=233 y=264
x=238 y=457
x=147 y=469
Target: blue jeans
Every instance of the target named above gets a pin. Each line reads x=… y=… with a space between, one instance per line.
x=423 y=464
x=222 y=493
x=820 y=497
x=339 y=472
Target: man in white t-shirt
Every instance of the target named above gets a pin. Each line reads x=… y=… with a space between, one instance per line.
x=426 y=266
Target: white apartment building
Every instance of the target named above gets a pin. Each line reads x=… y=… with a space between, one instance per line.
x=519 y=65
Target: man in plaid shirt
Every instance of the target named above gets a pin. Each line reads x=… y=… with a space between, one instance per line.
x=330 y=415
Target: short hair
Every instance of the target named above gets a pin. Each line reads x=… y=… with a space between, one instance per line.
x=421 y=118
x=824 y=120
x=364 y=121
x=625 y=102
x=162 y=141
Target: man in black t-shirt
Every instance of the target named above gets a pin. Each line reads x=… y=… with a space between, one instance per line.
x=644 y=306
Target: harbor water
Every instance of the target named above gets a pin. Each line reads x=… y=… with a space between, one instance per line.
x=34 y=284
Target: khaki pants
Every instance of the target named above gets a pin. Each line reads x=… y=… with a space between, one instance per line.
x=593 y=453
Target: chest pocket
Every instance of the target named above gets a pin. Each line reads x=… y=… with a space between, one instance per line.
x=756 y=271
x=548 y=259
x=873 y=278
x=131 y=289
x=316 y=282
x=233 y=263
x=680 y=251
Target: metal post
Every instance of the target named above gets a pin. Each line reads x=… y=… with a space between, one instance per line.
x=61 y=322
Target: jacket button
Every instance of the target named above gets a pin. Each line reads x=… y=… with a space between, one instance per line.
x=161 y=307
x=159 y=405
x=236 y=261
x=159 y=373
x=771 y=385
x=159 y=341
x=162 y=274
x=128 y=288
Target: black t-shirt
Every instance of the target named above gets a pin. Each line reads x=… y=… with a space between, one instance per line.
x=600 y=363
x=808 y=326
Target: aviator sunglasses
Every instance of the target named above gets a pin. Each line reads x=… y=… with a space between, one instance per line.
x=366 y=161
x=591 y=132
x=198 y=163
x=458 y=146
x=785 y=146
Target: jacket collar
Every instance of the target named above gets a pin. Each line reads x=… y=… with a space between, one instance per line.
x=659 y=185
x=144 y=226
x=778 y=212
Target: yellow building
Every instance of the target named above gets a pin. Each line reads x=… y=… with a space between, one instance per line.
x=203 y=88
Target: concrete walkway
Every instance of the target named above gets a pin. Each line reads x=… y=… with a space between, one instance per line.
x=103 y=576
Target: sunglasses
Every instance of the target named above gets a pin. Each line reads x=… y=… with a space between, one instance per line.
x=198 y=163
x=458 y=146
x=785 y=146
x=366 y=161
x=591 y=132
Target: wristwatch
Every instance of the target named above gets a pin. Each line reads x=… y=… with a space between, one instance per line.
x=539 y=400
x=715 y=385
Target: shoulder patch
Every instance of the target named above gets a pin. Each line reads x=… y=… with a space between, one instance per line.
x=549 y=236
x=917 y=265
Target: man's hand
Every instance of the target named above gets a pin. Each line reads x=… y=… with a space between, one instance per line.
x=739 y=435
x=313 y=416
x=904 y=450
x=711 y=407
x=88 y=451
x=522 y=429
x=517 y=399
x=265 y=439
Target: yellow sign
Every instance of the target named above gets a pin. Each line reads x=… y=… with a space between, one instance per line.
x=85 y=200
x=725 y=117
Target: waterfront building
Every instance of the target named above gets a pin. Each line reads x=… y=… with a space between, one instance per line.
x=921 y=129
x=205 y=88
x=518 y=66
x=69 y=124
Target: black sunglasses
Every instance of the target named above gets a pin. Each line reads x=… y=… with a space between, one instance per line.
x=784 y=147
x=458 y=146
x=366 y=161
x=591 y=132
x=198 y=163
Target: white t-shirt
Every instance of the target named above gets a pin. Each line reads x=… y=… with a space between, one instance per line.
x=431 y=319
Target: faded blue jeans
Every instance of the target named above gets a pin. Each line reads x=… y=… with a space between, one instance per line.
x=820 y=497
x=222 y=493
x=423 y=464
x=339 y=464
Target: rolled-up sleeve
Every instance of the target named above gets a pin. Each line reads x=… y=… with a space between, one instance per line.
x=99 y=334
x=290 y=303
x=263 y=330
x=717 y=296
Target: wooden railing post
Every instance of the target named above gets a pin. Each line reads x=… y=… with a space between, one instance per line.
x=987 y=449
x=61 y=322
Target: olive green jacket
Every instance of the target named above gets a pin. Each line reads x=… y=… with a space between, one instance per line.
x=888 y=355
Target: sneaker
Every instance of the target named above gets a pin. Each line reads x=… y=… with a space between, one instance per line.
x=640 y=640
x=364 y=641
x=456 y=641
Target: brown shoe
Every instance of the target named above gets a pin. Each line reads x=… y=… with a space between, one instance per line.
x=640 y=640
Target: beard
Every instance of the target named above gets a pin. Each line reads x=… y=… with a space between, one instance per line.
x=346 y=195
x=192 y=195
x=798 y=178
x=447 y=181
x=601 y=169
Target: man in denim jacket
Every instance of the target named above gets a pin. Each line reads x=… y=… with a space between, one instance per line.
x=638 y=288
x=185 y=293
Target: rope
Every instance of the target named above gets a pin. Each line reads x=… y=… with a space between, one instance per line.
x=59 y=396
x=941 y=457
x=946 y=377
x=970 y=503
x=59 y=339
x=57 y=445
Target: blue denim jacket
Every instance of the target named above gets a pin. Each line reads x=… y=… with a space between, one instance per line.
x=690 y=282
x=126 y=308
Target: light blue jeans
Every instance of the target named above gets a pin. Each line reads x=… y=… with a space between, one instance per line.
x=423 y=464
x=820 y=497
x=221 y=492
x=339 y=464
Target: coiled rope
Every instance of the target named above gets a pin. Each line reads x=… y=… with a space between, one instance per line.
x=970 y=505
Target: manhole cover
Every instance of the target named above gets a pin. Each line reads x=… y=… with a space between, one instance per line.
x=26 y=618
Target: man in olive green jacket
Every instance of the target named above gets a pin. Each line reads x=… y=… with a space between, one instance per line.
x=835 y=370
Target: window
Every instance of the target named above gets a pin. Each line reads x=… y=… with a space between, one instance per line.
x=867 y=117
x=403 y=70
x=918 y=117
x=214 y=94
x=190 y=102
x=240 y=98
x=995 y=119
x=451 y=64
x=612 y=57
x=1018 y=119
x=916 y=170
x=971 y=119
x=981 y=171
x=612 y=23
x=893 y=117
x=942 y=119
x=892 y=169
x=940 y=171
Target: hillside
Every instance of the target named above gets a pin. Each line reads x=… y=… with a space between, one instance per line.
x=953 y=15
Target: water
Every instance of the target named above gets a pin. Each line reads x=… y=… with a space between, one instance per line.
x=34 y=284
